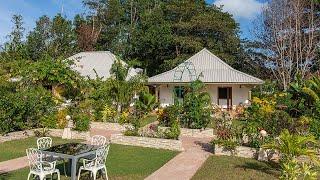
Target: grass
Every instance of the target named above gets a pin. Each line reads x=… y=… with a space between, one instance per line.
x=124 y=162
x=17 y=148
x=229 y=167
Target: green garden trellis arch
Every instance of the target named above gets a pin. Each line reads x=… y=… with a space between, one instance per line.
x=189 y=66
x=178 y=74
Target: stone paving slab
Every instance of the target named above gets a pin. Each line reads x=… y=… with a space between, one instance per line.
x=13 y=164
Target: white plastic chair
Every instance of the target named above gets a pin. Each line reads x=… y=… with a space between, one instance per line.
x=98 y=140
x=96 y=164
x=38 y=167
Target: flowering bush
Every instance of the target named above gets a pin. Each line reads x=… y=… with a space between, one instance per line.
x=61 y=118
x=109 y=113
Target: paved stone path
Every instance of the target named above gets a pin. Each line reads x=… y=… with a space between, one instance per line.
x=13 y=164
x=185 y=164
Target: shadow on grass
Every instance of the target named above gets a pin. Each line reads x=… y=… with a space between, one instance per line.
x=85 y=175
x=267 y=168
x=4 y=175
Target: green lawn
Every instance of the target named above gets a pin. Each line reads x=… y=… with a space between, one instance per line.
x=124 y=162
x=228 y=167
x=17 y=148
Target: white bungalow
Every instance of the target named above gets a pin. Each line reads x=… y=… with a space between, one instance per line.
x=228 y=87
x=97 y=63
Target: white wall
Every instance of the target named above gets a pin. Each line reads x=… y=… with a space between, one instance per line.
x=166 y=95
x=239 y=95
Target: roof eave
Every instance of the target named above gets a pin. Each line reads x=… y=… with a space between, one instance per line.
x=251 y=83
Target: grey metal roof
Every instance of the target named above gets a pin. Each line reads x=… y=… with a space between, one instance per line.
x=100 y=61
x=211 y=70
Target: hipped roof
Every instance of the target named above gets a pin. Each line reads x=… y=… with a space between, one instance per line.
x=211 y=69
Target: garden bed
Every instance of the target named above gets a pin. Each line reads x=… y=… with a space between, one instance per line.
x=198 y=133
x=52 y=132
x=246 y=152
x=108 y=126
x=157 y=143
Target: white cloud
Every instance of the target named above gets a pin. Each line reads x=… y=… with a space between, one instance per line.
x=246 y=9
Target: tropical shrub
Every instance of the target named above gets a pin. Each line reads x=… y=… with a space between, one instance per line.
x=292 y=146
x=146 y=103
x=227 y=144
x=61 y=118
x=197 y=108
x=109 y=113
x=126 y=117
x=122 y=87
x=166 y=116
x=98 y=94
x=42 y=132
x=49 y=121
x=51 y=73
x=81 y=122
x=23 y=108
x=174 y=131
x=228 y=135
x=223 y=126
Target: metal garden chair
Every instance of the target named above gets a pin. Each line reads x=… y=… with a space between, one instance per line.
x=98 y=140
x=46 y=142
x=96 y=164
x=38 y=167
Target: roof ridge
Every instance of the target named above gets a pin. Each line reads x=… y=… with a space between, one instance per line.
x=189 y=59
x=247 y=75
x=230 y=67
x=218 y=59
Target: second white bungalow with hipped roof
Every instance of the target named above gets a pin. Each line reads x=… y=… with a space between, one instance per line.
x=227 y=86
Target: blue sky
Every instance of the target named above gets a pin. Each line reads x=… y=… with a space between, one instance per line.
x=244 y=11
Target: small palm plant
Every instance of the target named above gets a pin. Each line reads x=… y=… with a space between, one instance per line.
x=292 y=146
x=147 y=101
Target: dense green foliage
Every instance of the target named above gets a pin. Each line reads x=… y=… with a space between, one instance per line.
x=146 y=103
x=23 y=108
x=160 y=33
x=195 y=111
x=196 y=105
x=291 y=147
x=82 y=122
x=54 y=37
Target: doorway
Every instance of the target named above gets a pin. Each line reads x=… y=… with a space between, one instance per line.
x=225 y=97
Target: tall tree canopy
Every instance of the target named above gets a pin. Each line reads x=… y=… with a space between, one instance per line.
x=55 y=37
x=162 y=33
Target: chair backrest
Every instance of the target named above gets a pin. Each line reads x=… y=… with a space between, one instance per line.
x=101 y=155
x=44 y=142
x=98 y=140
x=34 y=157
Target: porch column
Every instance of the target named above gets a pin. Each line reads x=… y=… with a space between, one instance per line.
x=156 y=92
